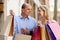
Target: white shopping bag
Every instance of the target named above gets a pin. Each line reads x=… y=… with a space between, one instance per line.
x=22 y=37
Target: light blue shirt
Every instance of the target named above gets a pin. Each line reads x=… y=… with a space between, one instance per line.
x=20 y=22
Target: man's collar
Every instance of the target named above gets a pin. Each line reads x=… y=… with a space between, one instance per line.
x=21 y=17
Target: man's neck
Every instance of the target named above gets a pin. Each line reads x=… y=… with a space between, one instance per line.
x=24 y=16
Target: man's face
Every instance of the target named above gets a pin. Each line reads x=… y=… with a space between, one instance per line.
x=27 y=10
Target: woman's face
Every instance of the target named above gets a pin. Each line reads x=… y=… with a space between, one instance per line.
x=40 y=12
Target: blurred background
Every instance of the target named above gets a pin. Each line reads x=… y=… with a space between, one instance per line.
x=53 y=11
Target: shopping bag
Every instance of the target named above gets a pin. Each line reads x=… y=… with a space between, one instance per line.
x=55 y=27
x=36 y=34
x=51 y=33
x=22 y=37
x=48 y=37
x=43 y=33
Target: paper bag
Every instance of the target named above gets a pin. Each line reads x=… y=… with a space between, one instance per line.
x=22 y=37
x=43 y=36
x=55 y=27
x=36 y=34
x=51 y=32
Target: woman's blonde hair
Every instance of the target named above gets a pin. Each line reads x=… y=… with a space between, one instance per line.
x=44 y=9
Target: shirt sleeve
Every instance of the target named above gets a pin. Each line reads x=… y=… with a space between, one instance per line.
x=35 y=24
x=15 y=26
x=31 y=31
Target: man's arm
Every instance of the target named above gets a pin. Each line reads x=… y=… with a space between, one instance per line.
x=31 y=32
x=15 y=26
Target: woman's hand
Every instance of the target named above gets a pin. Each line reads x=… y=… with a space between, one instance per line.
x=38 y=23
x=44 y=20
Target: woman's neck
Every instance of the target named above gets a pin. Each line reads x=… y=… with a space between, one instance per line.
x=43 y=20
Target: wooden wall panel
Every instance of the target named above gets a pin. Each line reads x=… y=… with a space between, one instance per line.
x=1 y=7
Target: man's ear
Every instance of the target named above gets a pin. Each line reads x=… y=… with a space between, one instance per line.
x=22 y=10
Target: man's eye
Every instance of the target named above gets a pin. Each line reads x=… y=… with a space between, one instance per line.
x=28 y=9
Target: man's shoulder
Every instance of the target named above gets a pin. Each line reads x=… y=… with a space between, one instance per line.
x=31 y=18
x=16 y=17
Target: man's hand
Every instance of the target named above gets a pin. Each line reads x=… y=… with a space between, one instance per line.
x=25 y=31
x=11 y=12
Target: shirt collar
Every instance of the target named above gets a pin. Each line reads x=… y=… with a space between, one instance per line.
x=21 y=17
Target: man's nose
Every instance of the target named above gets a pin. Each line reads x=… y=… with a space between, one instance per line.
x=29 y=10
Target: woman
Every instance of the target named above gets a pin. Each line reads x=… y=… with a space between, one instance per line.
x=42 y=21
x=39 y=32
x=42 y=14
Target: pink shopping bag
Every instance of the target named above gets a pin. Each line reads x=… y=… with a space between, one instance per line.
x=55 y=27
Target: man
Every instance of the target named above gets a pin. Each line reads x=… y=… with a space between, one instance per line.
x=24 y=23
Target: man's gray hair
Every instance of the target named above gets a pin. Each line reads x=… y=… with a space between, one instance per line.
x=25 y=5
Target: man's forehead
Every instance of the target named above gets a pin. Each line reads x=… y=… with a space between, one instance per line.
x=28 y=5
